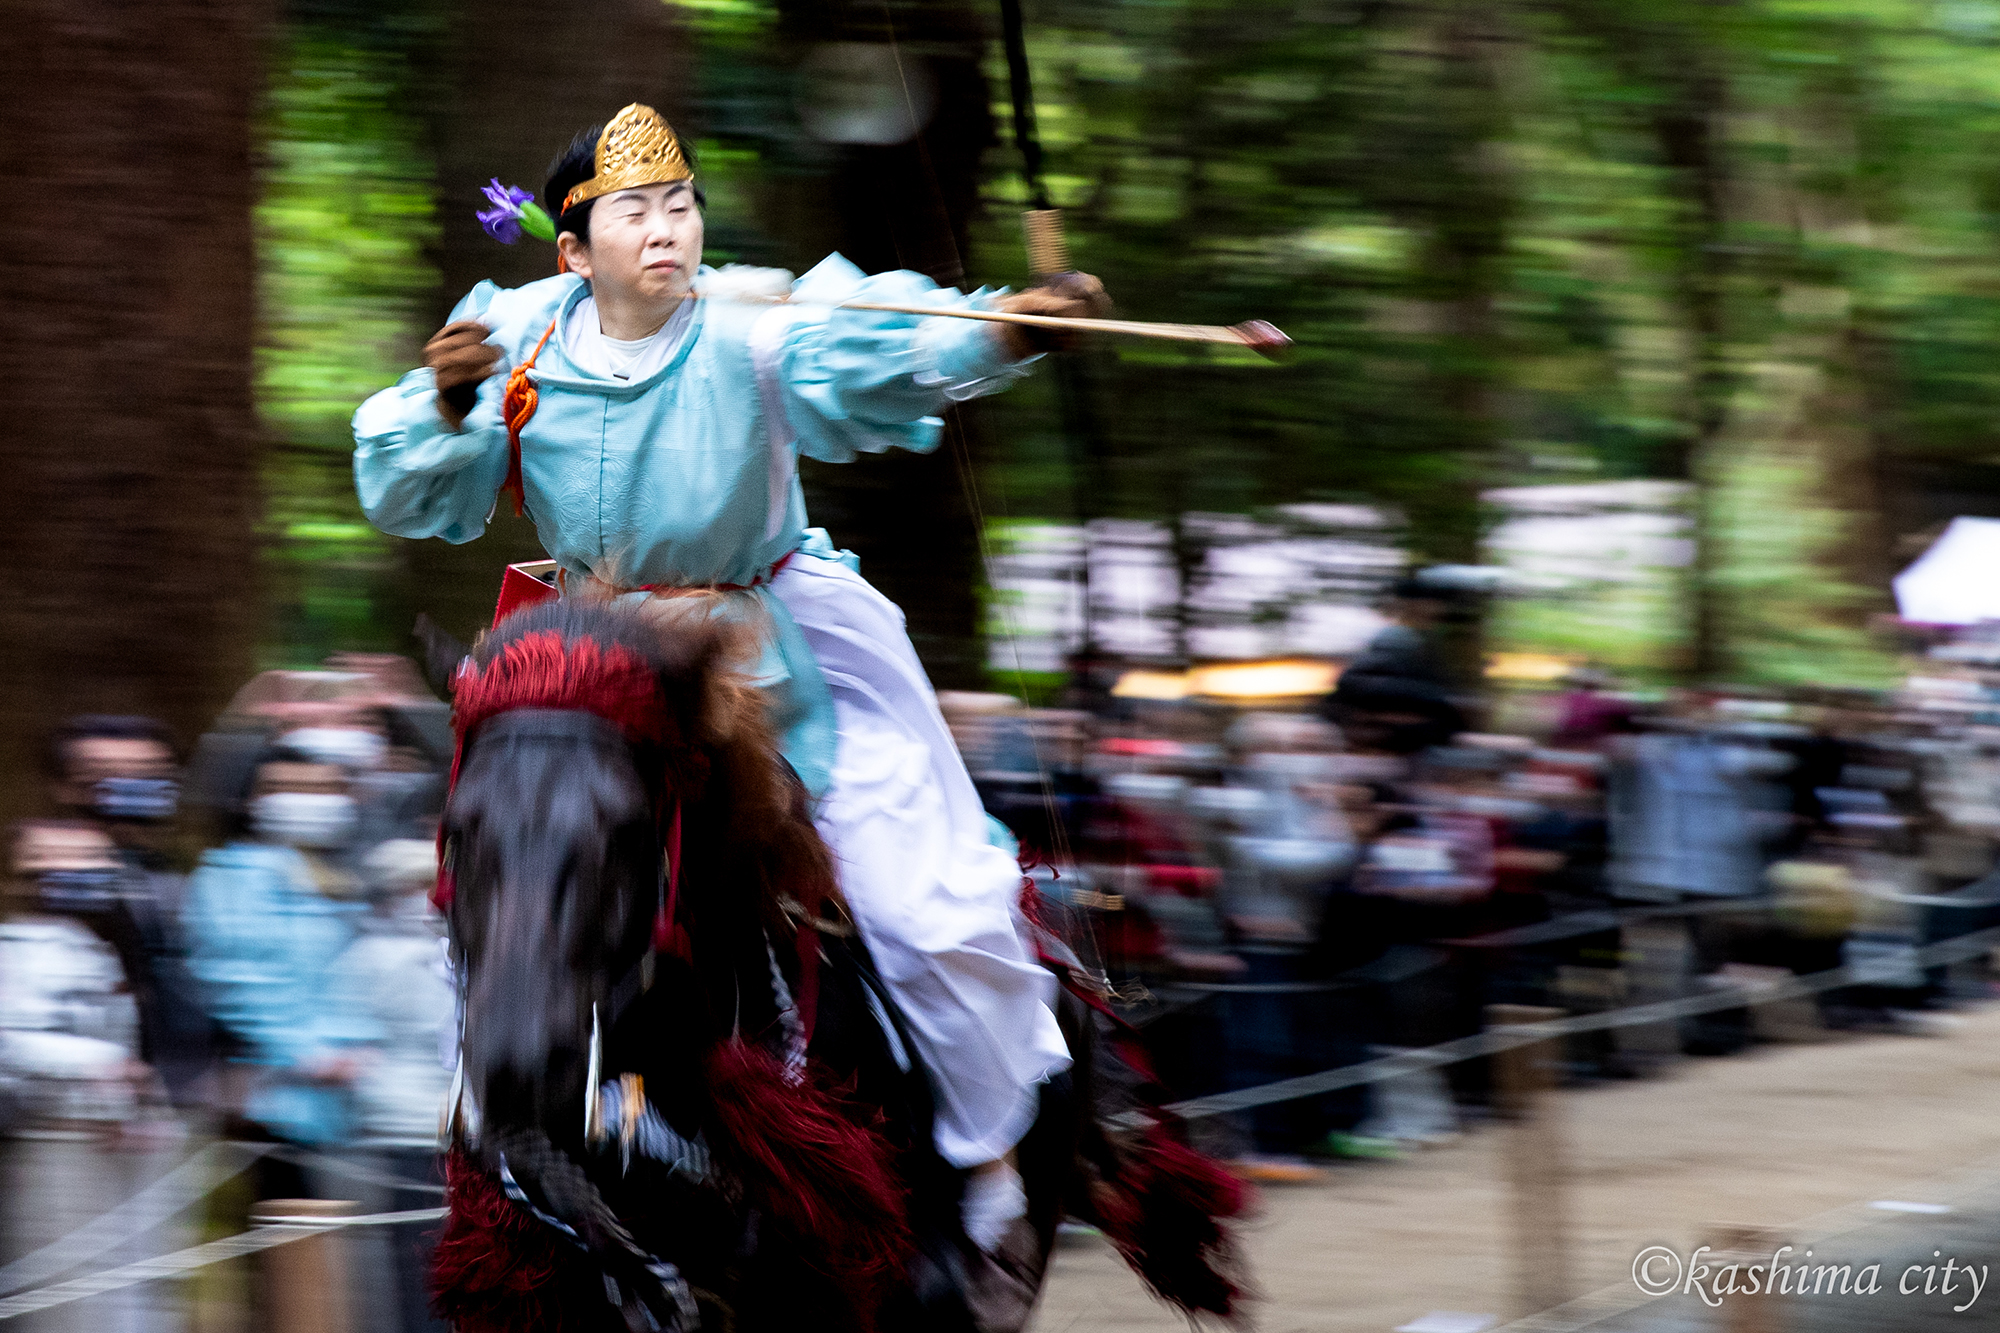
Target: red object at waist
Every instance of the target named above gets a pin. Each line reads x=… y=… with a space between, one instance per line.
x=536 y=581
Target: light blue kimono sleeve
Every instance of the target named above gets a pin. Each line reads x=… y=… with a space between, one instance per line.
x=864 y=381
x=415 y=475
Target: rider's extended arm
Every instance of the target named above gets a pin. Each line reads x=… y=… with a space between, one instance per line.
x=859 y=381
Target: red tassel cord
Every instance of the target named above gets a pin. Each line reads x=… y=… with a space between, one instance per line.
x=498 y=1269
x=1163 y=1205
x=517 y=407
x=831 y=1182
x=1165 y=1212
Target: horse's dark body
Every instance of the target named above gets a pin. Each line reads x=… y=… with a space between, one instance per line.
x=556 y=830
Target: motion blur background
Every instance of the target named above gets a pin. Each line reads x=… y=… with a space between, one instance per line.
x=1596 y=608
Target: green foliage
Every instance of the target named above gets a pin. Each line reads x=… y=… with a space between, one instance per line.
x=1754 y=245
x=1543 y=243
x=346 y=213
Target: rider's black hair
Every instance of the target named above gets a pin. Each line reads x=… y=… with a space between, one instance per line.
x=573 y=166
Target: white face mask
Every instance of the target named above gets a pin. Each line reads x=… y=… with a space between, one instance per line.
x=303 y=819
x=350 y=747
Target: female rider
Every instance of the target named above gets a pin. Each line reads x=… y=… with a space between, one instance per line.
x=662 y=452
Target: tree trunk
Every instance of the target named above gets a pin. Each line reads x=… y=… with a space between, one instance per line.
x=1463 y=263
x=1686 y=133
x=1674 y=63
x=127 y=282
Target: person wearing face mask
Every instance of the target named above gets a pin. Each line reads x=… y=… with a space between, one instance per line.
x=119 y=772
x=267 y=914
x=67 y=1014
x=68 y=1053
x=120 y=776
x=389 y=801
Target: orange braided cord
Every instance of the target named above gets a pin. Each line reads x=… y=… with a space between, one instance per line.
x=516 y=408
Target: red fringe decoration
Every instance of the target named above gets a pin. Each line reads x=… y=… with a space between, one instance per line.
x=540 y=670
x=497 y=1268
x=1165 y=1215
x=830 y=1181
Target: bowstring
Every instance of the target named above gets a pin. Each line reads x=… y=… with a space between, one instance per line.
x=961 y=454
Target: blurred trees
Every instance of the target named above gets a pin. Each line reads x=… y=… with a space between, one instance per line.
x=381 y=123
x=1751 y=246
x=346 y=223
x=126 y=283
x=863 y=127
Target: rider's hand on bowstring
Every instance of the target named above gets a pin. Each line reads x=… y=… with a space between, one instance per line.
x=1063 y=295
x=461 y=357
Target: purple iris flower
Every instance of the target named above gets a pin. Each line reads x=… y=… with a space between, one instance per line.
x=503 y=220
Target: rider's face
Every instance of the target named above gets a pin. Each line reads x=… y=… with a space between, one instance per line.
x=645 y=244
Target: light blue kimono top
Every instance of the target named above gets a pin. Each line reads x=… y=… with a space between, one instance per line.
x=262 y=941
x=689 y=475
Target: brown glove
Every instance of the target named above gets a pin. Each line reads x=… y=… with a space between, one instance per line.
x=461 y=357
x=1065 y=295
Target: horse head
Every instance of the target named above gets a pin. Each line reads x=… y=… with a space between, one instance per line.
x=590 y=736
x=632 y=872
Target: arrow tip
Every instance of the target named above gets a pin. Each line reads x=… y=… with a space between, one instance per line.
x=1267 y=340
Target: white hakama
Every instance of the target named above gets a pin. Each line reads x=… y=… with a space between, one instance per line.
x=936 y=901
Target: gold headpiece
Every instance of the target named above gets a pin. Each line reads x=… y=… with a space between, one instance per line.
x=637 y=148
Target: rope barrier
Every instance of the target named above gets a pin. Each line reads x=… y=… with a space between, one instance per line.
x=178 y=1189
x=1470 y=1047
x=1259 y=987
x=200 y=1256
x=154 y=1204
x=171 y=1192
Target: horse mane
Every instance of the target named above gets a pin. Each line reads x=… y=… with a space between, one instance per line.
x=670 y=672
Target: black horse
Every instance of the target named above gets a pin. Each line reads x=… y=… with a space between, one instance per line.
x=689 y=1103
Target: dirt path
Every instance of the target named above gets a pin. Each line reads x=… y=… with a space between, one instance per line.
x=1768 y=1137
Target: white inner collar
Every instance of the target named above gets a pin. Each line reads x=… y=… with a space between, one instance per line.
x=586 y=345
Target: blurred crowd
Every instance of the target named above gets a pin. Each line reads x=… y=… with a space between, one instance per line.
x=237 y=942
x=290 y=991
x=1303 y=885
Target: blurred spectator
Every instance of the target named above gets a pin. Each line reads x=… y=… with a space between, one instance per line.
x=71 y=1083
x=390 y=1011
x=1283 y=842
x=1589 y=711
x=119 y=771
x=1691 y=812
x=1397 y=696
x=267 y=915
x=119 y=776
x=68 y=1025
